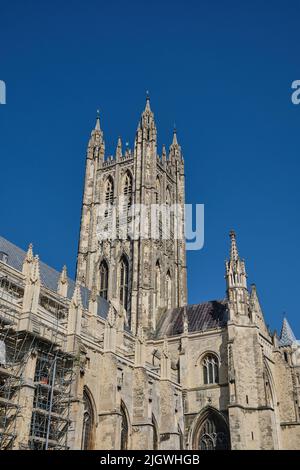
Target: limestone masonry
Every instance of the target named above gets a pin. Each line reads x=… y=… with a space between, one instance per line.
x=117 y=359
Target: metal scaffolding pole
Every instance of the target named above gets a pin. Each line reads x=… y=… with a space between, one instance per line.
x=51 y=401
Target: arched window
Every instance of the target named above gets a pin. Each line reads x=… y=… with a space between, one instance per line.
x=109 y=190
x=124 y=278
x=169 y=290
x=157 y=284
x=109 y=199
x=88 y=424
x=213 y=433
x=127 y=189
x=210 y=366
x=124 y=429
x=103 y=279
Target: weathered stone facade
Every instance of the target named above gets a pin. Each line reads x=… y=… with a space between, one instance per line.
x=137 y=368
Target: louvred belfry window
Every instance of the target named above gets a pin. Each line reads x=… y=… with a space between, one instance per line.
x=124 y=277
x=103 y=279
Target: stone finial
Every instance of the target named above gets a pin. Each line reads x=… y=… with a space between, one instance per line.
x=28 y=260
x=119 y=149
x=29 y=254
x=62 y=286
x=76 y=300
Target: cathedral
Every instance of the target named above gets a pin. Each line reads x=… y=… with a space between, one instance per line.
x=118 y=359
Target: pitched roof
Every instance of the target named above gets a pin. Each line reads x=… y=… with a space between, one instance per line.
x=287 y=336
x=49 y=276
x=200 y=317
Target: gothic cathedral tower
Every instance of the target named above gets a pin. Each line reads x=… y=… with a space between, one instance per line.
x=144 y=275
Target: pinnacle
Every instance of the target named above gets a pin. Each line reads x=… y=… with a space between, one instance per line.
x=234 y=255
x=97 y=127
x=147 y=107
x=174 y=142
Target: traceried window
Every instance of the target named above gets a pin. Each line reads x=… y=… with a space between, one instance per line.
x=213 y=434
x=210 y=366
x=124 y=278
x=88 y=423
x=103 y=279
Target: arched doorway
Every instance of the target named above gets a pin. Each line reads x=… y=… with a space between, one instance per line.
x=211 y=431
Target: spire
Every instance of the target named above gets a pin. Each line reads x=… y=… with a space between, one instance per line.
x=96 y=145
x=234 y=255
x=147 y=123
x=97 y=127
x=287 y=337
x=175 y=149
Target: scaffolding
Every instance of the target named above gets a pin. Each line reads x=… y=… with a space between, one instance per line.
x=52 y=382
x=13 y=349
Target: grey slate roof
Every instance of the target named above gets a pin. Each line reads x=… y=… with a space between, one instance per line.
x=49 y=276
x=200 y=317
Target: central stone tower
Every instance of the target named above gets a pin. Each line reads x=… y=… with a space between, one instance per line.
x=143 y=276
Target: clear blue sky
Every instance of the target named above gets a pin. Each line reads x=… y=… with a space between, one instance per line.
x=222 y=70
